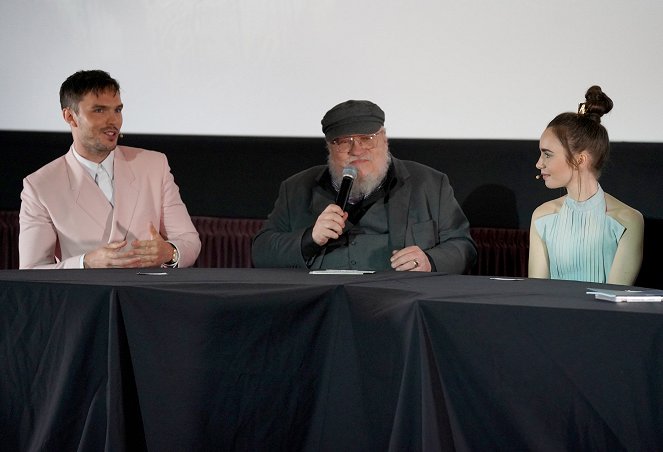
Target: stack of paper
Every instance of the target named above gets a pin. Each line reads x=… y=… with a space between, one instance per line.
x=340 y=272
x=626 y=295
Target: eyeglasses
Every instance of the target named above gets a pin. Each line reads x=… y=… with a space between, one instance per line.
x=366 y=142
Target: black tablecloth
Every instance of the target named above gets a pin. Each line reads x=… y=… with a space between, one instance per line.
x=248 y=359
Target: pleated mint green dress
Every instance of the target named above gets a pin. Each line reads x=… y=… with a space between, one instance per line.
x=581 y=239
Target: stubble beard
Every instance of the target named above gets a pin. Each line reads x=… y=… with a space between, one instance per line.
x=95 y=146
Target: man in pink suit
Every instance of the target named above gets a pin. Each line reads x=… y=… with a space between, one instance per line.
x=102 y=205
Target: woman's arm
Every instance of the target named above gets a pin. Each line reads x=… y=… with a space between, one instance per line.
x=628 y=258
x=538 y=265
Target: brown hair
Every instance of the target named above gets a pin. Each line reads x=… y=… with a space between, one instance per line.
x=583 y=131
x=82 y=82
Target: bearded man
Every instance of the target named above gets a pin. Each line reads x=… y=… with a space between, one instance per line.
x=401 y=215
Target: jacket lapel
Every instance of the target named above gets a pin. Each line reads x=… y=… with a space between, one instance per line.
x=125 y=193
x=399 y=201
x=320 y=198
x=87 y=196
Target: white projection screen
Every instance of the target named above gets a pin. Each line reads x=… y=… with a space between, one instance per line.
x=440 y=69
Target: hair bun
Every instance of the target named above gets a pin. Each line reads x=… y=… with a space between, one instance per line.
x=597 y=103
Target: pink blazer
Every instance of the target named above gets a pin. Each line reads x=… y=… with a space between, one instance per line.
x=65 y=215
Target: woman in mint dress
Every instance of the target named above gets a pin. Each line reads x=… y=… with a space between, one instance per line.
x=586 y=235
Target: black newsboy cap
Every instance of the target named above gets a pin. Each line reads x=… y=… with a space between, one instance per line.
x=352 y=117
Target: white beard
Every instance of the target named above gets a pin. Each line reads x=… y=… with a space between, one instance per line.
x=363 y=186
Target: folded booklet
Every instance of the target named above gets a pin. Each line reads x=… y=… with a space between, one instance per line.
x=340 y=272
x=626 y=295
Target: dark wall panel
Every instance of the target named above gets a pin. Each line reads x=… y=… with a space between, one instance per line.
x=238 y=177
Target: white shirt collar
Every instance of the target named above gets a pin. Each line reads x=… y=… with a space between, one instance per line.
x=91 y=166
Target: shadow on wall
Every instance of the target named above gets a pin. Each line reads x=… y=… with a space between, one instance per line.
x=492 y=205
x=651 y=272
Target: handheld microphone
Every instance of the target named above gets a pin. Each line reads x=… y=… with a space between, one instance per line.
x=349 y=175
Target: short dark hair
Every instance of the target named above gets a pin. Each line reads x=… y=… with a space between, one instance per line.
x=82 y=82
x=583 y=131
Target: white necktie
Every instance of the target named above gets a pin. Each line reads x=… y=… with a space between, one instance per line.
x=104 y=182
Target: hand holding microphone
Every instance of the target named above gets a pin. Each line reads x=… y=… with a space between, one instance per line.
x=329 y=225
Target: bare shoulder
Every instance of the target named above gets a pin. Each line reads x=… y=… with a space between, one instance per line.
x=625 y=214
x=548 y=208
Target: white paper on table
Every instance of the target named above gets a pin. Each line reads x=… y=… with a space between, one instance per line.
x=340 y=272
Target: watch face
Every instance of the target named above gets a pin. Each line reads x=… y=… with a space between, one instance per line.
x=176 y=255
x=174 y=258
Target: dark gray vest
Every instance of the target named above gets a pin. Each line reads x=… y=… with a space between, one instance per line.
x=365 y=246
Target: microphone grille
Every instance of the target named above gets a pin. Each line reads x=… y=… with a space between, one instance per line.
x=350 y=171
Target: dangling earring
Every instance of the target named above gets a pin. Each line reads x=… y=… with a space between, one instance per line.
x=576 y=167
